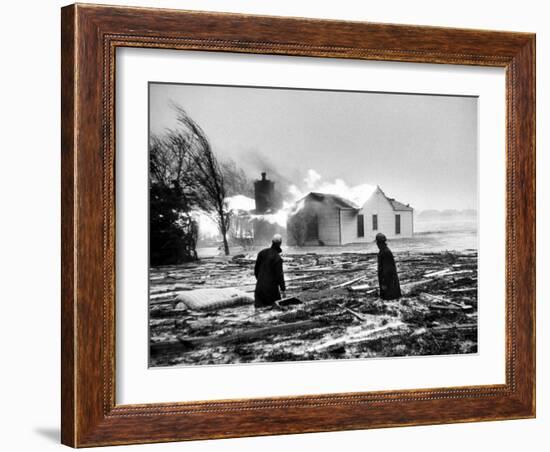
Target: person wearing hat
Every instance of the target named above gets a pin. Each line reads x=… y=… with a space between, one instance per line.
x=387 y=271
x=269 y=274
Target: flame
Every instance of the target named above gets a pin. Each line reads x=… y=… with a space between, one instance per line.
x=239 y=202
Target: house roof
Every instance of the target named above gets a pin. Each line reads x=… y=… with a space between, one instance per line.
x=399 y=205
x=343 y=203
x=340 y=202
x=396 y=205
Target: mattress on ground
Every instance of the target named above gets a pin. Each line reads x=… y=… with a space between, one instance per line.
x=211 y=299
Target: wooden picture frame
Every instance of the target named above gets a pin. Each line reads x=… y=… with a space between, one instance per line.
x=90 y=36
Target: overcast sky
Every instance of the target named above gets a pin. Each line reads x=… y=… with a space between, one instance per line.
x=420 y=149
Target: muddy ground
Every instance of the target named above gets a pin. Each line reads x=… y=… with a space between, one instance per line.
x=340 y=317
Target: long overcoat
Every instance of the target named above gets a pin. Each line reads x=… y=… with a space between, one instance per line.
x=269 y=276
x=387 y=275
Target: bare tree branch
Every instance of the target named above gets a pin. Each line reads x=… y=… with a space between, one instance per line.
x=206 y=172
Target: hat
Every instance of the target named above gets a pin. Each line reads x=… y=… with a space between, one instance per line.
x=380 y=237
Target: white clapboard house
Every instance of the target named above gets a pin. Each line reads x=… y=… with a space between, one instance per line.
x=325 y=219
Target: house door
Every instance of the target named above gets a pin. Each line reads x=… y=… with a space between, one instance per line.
x=398 y=224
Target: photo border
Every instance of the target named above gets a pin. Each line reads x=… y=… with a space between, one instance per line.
x=286 y=88
x=90 y=36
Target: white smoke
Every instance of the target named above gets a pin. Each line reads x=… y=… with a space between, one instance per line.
x=357 y=194
x=312 y=178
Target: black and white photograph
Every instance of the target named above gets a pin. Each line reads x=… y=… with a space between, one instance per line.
x=292 y=224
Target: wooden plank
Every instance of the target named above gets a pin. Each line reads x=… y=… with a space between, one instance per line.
x=183 y=344
x=348 y=283
x=437 y=273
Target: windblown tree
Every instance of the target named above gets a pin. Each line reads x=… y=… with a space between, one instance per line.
x=207 y=173
x=173 y=231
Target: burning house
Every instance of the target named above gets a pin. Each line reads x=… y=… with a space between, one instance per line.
x=327 y=219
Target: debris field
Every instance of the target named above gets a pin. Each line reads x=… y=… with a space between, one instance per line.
x=333 y=311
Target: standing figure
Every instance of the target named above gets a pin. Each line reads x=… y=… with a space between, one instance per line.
x=387 y=272
x=269 y=274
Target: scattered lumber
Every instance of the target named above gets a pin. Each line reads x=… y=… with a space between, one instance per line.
x=298 y=278
x=435 y=298
x=182 y=344
x=468 y=327
x=416 y=283
x=437 y=273
x=154 y=322
x=187 y=334
x=312 y=281
x=348 y=283
x=165 y=300
x=439 y=302
x=306 y=285
x=353 y=313
x=360 y=288
x=332 y=270
x=313 y=270
x=463 y=289
x=442 y=307
x=288 y=301
x=409 y=286
x=460 y=272
x=386 y=332
x=171 y=290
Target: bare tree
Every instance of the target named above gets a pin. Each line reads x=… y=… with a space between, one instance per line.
x=207 y=174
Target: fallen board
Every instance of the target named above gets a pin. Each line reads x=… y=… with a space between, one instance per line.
x=289 y=301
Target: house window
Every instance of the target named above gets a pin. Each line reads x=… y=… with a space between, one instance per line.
x=398 y=224
x=375 y=222
x=360 y=226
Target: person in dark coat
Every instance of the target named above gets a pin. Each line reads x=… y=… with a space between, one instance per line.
x=387 y=272
x=269 y=274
